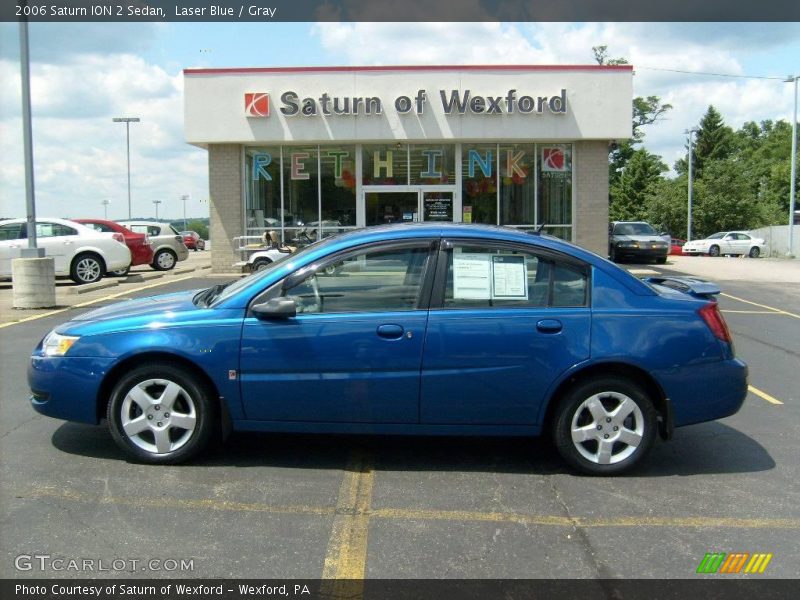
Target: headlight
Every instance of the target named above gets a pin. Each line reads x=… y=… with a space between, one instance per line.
x=627 y=245
x=57 y=345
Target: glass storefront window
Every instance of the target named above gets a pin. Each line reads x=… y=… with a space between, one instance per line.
x=479 y=183
x=385 y=164
x=300 y=190
x=338 y=177
x=433 y=164
x=555 y=183
x=263 y=185
x=517 y=184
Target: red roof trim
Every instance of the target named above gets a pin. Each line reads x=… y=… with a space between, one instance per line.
x=248 y=70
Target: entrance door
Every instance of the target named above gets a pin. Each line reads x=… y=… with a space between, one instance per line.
x=408 y=206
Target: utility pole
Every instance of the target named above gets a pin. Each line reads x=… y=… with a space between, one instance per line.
x=156 y=202
x=793 y=174
x=128 y=121
x=691 y=157
x=185 y=198
x=32 y=251
x=105 y=204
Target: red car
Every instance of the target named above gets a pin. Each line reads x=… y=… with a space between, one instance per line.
x=676 y=246
x=138 y=243
x=193 y=241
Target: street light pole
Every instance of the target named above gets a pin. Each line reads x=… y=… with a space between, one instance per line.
x=128 y=121
x=156 y=202
x=691 y=153
x=105 y=204
x=793 y=174
x=185 y=198
x=32 y=251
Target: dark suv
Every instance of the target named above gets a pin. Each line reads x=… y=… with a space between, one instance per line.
x=636 y=239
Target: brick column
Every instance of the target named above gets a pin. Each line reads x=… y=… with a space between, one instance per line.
x=590 y=220
x=226 y=205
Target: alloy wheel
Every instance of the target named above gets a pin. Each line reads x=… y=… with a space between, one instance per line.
x=607 y=428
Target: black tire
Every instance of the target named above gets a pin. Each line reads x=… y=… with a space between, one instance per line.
x=260 y=264
x=714 y=250
x=120 y=272
x=612 y=255
x=755 y=252
x=607 y=395
x=192 y=400
x=661 y=261
x=164 y=260
x=87 y=267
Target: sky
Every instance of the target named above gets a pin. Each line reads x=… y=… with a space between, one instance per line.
x=82 y=75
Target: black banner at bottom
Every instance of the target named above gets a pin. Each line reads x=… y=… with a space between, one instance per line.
x=707 y=587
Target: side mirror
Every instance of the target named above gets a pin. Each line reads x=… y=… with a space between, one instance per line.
x=276 y=308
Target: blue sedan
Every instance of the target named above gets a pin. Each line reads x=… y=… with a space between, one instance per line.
x=426 y=329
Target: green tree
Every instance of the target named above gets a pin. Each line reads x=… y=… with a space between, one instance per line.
x=714 y=140
x=200 y=227
x=635 y=185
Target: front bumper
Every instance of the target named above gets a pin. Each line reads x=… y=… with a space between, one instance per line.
x=67 y=387
x=643 y=251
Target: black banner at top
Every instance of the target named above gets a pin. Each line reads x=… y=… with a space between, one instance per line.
x=231 y=11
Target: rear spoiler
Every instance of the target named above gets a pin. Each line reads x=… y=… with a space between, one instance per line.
x=699 y=288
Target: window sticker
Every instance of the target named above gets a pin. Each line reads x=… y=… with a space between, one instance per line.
x=509 y=277
x=472 y=276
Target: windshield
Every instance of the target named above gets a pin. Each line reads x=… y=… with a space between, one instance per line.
x=633 y=229
x=716 y=236
x=226 y=291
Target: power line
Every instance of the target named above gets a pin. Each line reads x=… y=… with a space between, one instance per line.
x=711 y=74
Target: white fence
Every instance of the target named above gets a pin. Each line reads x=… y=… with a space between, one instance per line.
x=777 y=237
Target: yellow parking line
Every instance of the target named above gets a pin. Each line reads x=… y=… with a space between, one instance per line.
x=346 y=555
x=95 y=301
x=763 y=395
x=772 y=308
x=753 y=312
x=347 y=552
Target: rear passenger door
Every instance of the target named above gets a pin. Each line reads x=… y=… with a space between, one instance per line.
x=505 y=322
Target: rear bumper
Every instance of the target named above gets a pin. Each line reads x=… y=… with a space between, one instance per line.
x=705 y=392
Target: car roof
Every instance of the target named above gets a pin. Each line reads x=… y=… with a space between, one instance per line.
x=59 y=220
x=149 y=223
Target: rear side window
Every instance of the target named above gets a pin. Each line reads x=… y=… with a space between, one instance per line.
x=481 y=276
x=100 y=227
x=45 y=230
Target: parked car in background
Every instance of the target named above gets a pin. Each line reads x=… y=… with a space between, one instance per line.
x=80 y=252
x=168 y=246
x=636 y=239
x=138 y=243
x=736 y=243
x=193 y=241
x=430 y=328
x=676 y=246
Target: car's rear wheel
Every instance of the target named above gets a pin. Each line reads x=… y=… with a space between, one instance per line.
x=87 y=268
x=604 y=426
x=755 y=252
x=260 y=264
x=164 y=260
x=713 y=251
x=160 y=414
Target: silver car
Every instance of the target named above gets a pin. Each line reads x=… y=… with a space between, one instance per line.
x=168 y=246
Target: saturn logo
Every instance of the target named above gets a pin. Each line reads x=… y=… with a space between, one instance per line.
x=256 y=104
x=553 y=159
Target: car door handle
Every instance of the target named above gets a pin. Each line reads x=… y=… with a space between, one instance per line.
x=390 y=332
x=549 y=326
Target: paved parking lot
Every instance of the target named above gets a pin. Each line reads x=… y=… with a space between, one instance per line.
x=303 y=506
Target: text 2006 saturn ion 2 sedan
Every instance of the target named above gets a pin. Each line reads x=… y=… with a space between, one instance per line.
x=429 y=329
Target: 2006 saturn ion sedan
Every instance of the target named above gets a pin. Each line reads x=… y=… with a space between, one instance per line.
x=429 y=329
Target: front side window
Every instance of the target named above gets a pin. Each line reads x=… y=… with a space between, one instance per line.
x=373 y=280
x=484 y=276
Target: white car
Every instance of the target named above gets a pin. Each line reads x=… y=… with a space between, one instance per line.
x=80 y=252
x=727 y=242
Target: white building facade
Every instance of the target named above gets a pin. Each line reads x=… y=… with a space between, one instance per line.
x=327 y=149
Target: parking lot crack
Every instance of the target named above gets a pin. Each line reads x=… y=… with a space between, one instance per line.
x=19 y=425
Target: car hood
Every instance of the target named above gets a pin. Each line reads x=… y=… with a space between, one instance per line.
x=705 y=242
x=161 y=306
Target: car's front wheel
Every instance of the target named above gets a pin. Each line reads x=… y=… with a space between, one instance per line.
x=260 y=264
x=87 y=268
x=160 y=414
x=713 y=251
x=604 y=426
x=164 y=260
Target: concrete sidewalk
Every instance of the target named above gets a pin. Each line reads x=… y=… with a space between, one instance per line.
x=69 y=294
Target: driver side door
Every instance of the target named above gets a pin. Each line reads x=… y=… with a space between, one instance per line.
x=353 y=352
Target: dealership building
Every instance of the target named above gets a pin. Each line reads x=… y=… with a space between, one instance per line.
x=327 y=149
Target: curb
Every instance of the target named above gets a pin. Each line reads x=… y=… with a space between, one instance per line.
x=91 y=287
x=139 y=277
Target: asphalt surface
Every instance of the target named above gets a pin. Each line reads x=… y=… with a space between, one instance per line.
x=300 y=506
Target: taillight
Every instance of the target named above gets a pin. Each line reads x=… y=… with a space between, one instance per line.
x=178 y=238
x=716 y=322
x=119 y=237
